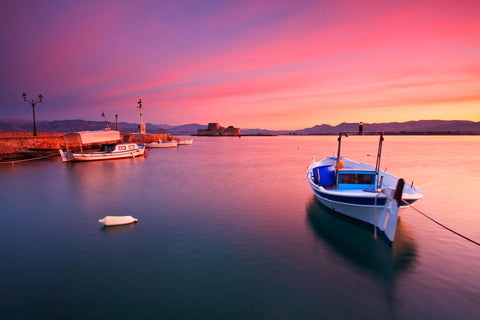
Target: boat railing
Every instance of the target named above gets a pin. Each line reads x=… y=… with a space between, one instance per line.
x=361 y=133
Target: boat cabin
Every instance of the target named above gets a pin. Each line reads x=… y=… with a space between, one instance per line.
x=114 y=147
x=357 y=179
x=108 y=147
x=123 y=147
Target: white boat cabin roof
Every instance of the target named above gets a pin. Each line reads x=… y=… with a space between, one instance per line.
x=98 y=136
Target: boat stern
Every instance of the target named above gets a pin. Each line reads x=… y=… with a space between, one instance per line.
x=65 y=155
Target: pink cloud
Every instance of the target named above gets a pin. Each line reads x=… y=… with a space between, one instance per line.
x=260 y=60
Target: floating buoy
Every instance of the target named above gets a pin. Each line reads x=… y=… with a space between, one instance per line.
x=117 y=220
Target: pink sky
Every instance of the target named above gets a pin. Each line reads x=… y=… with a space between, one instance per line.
x=251 y=64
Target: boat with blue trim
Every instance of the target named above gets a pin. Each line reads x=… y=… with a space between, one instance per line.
x=361 y=191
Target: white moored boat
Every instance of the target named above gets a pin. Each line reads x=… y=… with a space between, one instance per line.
x=361 y=191
x=106 y=152
x=163 y=144
x=117 y=220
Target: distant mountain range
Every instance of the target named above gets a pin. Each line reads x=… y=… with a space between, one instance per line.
x=410 y=127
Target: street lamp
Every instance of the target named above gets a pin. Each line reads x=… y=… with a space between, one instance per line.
x=33 y=103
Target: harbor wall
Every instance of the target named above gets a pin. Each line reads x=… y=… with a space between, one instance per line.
x=14 y=142
x=17 y=142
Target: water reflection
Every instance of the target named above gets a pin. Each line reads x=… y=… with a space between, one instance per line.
x=117 y=229
x=103 y=187
x=355 y=243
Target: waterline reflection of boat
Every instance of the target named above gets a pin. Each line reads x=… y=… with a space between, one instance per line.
x=361 y=191
x=353 y=240
x=106 y=152
x=117 y=229
x=163 y=144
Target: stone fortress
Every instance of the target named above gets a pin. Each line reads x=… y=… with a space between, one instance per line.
x=214 y=129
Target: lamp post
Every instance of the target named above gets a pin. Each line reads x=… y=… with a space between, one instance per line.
x=33 y=103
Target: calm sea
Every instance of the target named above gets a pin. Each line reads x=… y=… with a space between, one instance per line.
x=229 y=229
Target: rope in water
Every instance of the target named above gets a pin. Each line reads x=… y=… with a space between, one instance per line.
x=441 y=225
x=24 y=160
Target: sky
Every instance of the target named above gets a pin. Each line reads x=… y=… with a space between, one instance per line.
x=272 y=64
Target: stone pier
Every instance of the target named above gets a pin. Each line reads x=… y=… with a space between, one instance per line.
x=18 y=145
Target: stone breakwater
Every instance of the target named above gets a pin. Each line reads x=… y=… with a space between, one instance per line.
x=19 y=145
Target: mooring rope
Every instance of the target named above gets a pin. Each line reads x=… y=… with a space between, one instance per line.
x=441 y=225
x=24 y=160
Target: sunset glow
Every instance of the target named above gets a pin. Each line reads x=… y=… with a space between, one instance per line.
x=250 y=64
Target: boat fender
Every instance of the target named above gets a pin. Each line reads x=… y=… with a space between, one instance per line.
x=398 y=191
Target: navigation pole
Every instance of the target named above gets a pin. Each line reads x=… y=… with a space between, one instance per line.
x=141 y=126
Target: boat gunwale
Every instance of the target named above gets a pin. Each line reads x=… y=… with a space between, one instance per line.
x=408 y=195
x=105 y=155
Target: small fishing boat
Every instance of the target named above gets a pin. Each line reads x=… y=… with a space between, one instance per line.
x=106 y=152
x=185 y=142
x=163 y=144
x=117 y=220
x=361 y=191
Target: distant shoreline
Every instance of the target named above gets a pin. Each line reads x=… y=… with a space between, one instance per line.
x=426 y=133
x=417 y=127
x=434 y=133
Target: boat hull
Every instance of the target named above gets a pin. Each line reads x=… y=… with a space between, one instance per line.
x=359 y=208
x=169 y=144
x=377 y=209
x=96 y=156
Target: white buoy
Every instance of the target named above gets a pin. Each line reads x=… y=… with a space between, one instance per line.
x=117 y=220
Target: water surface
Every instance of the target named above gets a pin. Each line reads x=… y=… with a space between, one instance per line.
x=229 y=229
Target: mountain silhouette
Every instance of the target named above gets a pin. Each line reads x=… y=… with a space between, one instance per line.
x=409 y=127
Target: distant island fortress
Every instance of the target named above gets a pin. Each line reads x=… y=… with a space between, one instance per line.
x=214 y=129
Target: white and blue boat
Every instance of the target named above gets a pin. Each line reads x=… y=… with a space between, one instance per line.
x=107 y=152
x=361 y=191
